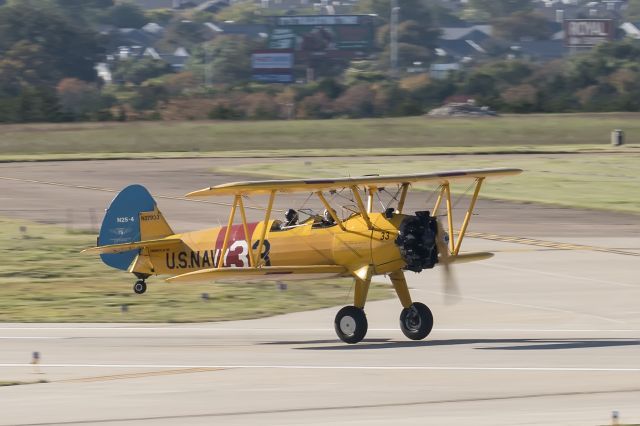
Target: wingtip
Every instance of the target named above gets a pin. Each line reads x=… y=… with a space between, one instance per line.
x=198 y=193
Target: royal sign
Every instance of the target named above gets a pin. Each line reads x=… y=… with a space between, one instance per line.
x=587 y=32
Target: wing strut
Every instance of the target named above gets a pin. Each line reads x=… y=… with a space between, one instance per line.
x=363 y=210
x=267 y=216
x=403 y=197
x=331 y=211
x=245 y=227
x=467 y=216
x=228 y=231
x=445 y=192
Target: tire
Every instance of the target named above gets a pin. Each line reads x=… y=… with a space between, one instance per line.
x=140 y=287
x=351 y=324
x=416 y=321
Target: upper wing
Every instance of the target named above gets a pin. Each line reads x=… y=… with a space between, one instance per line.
x=266 y=273
x=119 y=248
x=306 y=185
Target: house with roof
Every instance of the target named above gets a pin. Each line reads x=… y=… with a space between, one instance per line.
x=255 y=31
x=463 y=42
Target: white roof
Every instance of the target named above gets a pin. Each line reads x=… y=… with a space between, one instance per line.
x=457 y=33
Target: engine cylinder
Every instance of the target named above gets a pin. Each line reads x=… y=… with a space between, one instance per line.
x=417 y=241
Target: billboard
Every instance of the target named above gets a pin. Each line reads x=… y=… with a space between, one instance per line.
x=323 y=35
x=263 y=59
x=587 y=32
x=272 y=66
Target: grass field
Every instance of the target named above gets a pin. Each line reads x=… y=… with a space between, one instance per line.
x=43 y=278
x=299 y=136
x=597 y=181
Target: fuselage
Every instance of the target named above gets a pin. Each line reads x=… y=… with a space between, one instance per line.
x=309 y=243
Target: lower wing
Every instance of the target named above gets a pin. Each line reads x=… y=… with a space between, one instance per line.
x=266 y=273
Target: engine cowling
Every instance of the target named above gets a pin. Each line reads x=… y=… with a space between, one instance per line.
x=417 y=241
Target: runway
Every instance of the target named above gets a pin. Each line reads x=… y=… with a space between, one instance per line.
x=541 y=334
x=520 y=347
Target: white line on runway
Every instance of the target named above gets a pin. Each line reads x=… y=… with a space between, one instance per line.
x=332 y=367
x=524 y=305
x=557 y=275
x=30 y=337
x=304 y=330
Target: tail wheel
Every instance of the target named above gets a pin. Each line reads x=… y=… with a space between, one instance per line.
x=351 y=324
x=416 y=321
x=140 y=287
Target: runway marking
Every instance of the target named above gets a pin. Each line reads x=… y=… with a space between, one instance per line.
x=548 y=244
x=265 y=412
x=304 y=330
x=334 y=367
x=524 y=305
x=31 y=337
x=138 y=375
x=557 y=275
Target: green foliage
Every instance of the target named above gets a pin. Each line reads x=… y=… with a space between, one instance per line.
x=147 y=97
x=226 y=59
x=185 y=34
x=521 y=25
x=417 y=10
x=45 y=46
x=137 y=71
x=500 y=8
x=159 y=16
x=243 y=12
x=125 y=15
x=633 y=11
x=224 y=111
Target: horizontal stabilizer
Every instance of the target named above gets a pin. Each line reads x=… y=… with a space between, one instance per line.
x=266 y=273
x=119 y=248
x=470 y=257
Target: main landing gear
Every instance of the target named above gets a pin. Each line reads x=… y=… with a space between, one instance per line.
x=140 y=287
x=416 y=319
x=351 y=324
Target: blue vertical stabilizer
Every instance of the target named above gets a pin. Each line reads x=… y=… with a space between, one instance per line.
x=121 y=223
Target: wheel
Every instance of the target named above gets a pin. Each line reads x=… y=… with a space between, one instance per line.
x=140 y=287
x=351 y=324
x=416 y=321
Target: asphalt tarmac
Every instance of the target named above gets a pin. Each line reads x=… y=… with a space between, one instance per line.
x=546 y=332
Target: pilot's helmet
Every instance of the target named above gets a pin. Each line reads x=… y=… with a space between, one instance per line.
x=291 y=215
x=326 y=216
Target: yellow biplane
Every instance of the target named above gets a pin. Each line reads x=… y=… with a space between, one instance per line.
x=358 y=243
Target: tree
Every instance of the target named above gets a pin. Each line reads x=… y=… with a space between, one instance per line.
x=522 y=25
x=137 y=71
x=226 y=59
x=500 y=8
x=125 y=15
x=417 y=10
x=62 y=48
x=633 y=11
x=244 y=12
x=79 y=98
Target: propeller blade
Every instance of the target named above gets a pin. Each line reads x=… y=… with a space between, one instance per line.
x=451 y=292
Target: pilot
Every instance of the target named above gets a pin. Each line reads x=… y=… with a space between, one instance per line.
x=327 y=218
x=291 y=217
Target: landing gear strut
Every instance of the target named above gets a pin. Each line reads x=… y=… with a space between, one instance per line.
x=140 y=287
x=416 y=321
x=351 y=324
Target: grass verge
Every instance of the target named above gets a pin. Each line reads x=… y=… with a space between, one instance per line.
x=363 y=135
x=43 y=278
x=602 y=181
